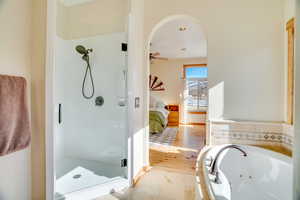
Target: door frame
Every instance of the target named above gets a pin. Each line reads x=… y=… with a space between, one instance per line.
x=150 y=36
x=49 y=100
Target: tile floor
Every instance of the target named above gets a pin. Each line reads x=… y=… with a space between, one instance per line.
x=172 y=174
x=159 y=184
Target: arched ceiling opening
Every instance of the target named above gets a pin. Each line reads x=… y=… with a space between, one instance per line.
x=179 y=38
x=74 y=2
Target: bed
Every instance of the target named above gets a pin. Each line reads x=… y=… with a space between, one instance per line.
x=158 y=116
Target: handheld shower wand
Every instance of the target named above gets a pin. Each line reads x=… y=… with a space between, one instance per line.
x=82 y=50
x=85 y=52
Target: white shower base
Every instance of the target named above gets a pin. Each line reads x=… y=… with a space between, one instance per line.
x=77 y=178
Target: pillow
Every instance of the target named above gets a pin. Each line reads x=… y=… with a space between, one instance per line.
x=160 y=104
x=152 y=102
x=156 y=102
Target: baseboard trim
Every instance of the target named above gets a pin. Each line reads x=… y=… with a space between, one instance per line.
x=197 y=112
x=140 y=174
x=195 y=124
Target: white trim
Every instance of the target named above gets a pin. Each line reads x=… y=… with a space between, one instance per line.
x=50 y=138
x=75 y=2
x=129 y=103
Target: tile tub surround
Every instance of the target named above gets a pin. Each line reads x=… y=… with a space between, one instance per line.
x=288 y=136
x=266 y=134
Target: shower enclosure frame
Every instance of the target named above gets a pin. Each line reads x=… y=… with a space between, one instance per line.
x=50 y=107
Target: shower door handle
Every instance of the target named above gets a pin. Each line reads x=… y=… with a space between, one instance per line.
x=59 y=114
x=123 y=93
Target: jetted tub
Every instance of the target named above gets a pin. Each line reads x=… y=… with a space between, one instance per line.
x=261 y=175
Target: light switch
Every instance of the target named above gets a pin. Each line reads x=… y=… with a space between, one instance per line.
x=137 y=102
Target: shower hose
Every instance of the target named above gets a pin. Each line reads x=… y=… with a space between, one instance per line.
x=88 y=70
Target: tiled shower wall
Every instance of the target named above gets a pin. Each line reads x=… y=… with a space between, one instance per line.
x=251 y=133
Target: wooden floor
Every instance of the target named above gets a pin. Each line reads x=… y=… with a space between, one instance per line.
x=172 y=172
x=182 y=155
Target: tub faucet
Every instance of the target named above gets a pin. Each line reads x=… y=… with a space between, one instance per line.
x=213 y=169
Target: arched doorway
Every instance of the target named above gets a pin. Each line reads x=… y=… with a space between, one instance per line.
x=177 y=51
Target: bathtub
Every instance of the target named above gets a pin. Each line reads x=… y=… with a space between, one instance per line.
x=261 y=175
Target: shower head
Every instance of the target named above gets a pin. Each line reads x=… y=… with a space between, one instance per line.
x=82 y=50
x=85 y=52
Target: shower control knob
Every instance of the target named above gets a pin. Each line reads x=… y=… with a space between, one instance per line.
x=122 y=102
x=99 y=101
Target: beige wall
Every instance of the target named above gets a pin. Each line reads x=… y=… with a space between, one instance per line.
x=92 y=18
x=170 y=72
x=62 y=20
x=15 y=59
x=245 y=51
x=22 y=52
x=238 y=48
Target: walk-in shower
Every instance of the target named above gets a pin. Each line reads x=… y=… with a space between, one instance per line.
x=85 y=56
x=90 y=136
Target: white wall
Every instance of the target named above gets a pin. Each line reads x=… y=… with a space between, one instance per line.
x=90 y=132
x=15 y=59
x=138 y=128
x=170 y=72
x=245 y=51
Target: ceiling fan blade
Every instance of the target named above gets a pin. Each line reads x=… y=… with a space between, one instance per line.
x=154 y=81
x=160 y=58
x=158 y=85
x=155 y=54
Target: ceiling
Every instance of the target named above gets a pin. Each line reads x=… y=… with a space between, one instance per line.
x=172 y=43
x=74 y=2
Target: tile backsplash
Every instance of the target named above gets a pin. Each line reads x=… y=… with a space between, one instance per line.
x=251 y=133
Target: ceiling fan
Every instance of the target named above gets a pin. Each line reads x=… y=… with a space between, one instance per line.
x=156 y=56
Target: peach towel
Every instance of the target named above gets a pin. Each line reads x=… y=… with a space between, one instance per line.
x=15 y=133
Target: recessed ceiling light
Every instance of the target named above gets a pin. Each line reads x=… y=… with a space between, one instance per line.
x=182 y=28
x=183 y=49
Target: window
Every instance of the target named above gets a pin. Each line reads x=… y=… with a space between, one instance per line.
x=195 y=72
x=196 y=87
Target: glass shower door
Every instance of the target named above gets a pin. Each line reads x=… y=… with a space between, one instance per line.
x=90 y=95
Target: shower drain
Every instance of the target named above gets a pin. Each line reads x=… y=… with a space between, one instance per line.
x=77 y=176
